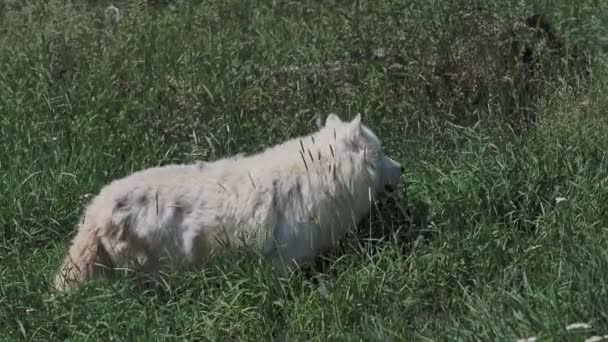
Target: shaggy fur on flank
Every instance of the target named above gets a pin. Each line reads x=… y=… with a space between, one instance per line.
x=290 y=202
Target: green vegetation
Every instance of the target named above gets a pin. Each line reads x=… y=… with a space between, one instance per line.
x=501 y=126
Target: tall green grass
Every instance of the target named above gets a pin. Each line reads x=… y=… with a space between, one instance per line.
x=506 y=177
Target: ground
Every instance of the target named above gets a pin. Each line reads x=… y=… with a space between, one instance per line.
x=501 y=231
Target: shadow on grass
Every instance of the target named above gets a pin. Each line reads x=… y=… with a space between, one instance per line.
x=395 y=220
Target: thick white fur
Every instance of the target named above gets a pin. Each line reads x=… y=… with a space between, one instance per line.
x=290 y=202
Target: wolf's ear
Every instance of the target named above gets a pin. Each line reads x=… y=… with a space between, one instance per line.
x=332 y=120
x=355 y=125
x=355 y=133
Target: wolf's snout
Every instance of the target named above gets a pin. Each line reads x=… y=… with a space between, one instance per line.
x=391 y=174
x=389 y=188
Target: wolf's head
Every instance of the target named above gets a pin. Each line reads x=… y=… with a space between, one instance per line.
x=361 y=142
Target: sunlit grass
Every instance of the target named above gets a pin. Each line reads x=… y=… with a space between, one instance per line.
x=506 y=174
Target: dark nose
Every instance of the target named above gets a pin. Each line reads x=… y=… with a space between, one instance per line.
x=402 y=169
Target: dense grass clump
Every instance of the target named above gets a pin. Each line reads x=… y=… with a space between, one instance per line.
x=497 y=109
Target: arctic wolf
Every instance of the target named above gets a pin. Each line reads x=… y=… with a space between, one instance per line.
x=290 y=202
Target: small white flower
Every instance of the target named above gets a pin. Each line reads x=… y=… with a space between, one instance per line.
x=113 y=14
x=595 y=338
x=576 y=326
x=527 y=339
x=379 y=53
x=323 y=291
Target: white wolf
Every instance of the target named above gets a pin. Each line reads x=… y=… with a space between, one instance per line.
x=291 y=202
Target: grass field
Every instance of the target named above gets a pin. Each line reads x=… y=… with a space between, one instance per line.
x=501 y=127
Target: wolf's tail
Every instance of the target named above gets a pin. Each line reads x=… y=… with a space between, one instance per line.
x=87 y=259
